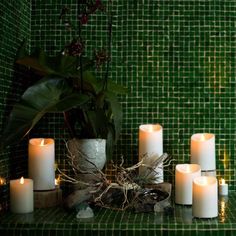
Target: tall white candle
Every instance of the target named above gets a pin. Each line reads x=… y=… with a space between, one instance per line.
x=205 y=197
x=151 y=145
x=184 y=176
x=203 y=151
x=41 y=163
x=21 y=195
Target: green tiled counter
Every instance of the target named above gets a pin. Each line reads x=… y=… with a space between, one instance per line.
x=57 y=221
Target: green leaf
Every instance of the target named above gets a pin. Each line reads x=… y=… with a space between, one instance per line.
x=48 y=95
x=61 y=65
x=116 y=112
x=116 y=88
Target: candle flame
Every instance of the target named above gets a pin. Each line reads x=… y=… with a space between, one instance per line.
x=42 y=142
x=2 y=181
x=202 y=137
x=22 y=180
x=187 y=168
x=222 y=181
x=202 y=180
x=150 y=128
x=57 y=181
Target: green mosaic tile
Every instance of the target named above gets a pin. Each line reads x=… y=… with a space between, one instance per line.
x=14 y=27
x=178 y=60
x=176 y=57
x=107 y=222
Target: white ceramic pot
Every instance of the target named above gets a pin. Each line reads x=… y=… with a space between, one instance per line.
x=87 y=151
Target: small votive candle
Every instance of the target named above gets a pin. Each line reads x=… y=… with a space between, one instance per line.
x=205 y=197
x=223 y=188
x=3 y=194
x=57 y=181
x=184 y=176
x=21 y=195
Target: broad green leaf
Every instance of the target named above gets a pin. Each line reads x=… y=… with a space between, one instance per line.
x=116 y=112
x=116 y=88
x=61 y=65
x=48 y=95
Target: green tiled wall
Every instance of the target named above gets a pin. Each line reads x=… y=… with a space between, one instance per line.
x=176 y=57
x=14 y=27
x=178 y=60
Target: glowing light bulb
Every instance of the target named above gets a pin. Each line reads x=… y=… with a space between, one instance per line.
x=22 y=180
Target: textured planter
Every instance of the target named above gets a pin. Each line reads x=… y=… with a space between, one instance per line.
x=88 y=155
x=88 y=151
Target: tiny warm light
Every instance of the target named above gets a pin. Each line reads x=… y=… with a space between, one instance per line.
x=42 y=142
x=57 y=181
x=222 y=181
x=187 y=168
x=202 y=137
x=203 y=180
x=22 y=180
x=150 y=128
x=2 y=181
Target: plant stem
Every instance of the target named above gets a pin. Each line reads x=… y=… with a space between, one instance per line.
x=80 y=38
x=109 y=45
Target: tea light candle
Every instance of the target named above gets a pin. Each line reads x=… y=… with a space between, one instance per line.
x=41 y=163
x=203 y=151
x=21 y=195
x=184 y=176
x=57 y=181
x=151 y=145
x=223 y=188
x=205 y=197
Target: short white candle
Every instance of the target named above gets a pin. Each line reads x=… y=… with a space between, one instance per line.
x=41 y=163
x=223 y=188
x=203 y=151
x=21 y=195
x=184 y=176
x=205 y=197
x=151 y=145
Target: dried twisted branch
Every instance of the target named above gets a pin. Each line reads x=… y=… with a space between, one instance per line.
x=103 y=190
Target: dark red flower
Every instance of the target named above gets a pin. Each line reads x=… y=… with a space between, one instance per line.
x=75 y=48
x=83 y=19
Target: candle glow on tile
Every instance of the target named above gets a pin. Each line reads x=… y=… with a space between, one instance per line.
x=205 y=197
x=21 y=195
x=184 y=175
x=41 y=163
x=151 y=145
x=203 y=151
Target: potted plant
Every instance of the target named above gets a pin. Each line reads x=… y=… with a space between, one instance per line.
x=68 y=85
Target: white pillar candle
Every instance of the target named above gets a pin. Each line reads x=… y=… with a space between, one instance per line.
x=203 y=151
x=21 y=195
x=151 y=145
x=205 y=197
x=41 y=163
x=223 y=188
x=184 y=176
